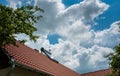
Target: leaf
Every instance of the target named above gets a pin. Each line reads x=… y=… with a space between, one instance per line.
x=17 y=21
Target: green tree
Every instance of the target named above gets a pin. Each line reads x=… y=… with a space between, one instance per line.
x=114 y=61
x=18 y=21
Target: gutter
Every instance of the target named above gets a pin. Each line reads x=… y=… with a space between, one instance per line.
x=32 y=69
x=13 y=64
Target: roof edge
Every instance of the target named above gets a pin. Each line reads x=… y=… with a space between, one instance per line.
x=32 y=69
x=97 y=71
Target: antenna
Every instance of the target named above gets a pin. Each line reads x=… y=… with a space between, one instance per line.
x=48 y=53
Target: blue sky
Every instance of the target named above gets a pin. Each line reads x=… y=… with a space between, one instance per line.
x=70 y=2
x=53 y=39
x=111 y=15
x=78 y=32
x=3 y=2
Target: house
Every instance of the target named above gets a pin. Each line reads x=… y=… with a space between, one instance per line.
x=98 y=73
x=21 y=60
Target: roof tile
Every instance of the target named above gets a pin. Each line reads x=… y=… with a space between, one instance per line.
x=26 y=56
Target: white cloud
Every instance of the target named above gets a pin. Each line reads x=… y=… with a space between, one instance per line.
x=92 y=59
x=50 y=21
x=109 y=37
x=86 y=10
x=80 y=47
x=91 y=56
x=56 y=16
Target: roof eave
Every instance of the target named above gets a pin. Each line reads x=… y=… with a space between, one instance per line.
x=32 y=69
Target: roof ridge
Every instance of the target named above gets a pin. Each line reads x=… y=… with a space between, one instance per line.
x=25 y=45
x=96 y=71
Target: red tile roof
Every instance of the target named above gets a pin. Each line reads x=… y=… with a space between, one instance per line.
x=98 y=73
x=26 y=56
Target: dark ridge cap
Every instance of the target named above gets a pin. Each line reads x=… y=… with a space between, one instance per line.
x=54 y=60
x=36 y=50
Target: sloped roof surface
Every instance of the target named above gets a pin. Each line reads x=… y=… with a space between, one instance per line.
x=98 y=73
x=26 y=56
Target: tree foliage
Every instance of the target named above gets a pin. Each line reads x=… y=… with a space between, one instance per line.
x=114 y=61
x=17 y=21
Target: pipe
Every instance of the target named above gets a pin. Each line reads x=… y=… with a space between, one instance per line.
x=12 y=62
